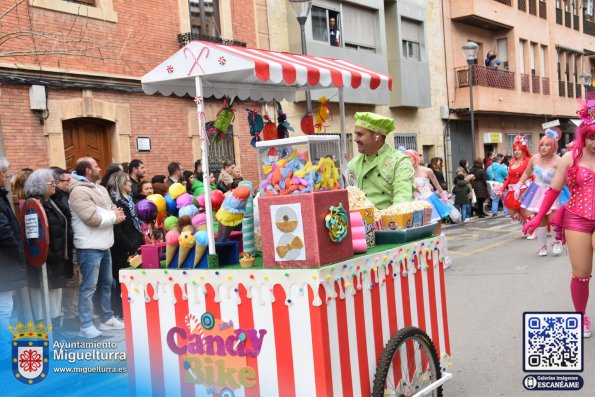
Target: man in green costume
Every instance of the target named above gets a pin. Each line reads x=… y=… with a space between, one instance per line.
x=384 y=174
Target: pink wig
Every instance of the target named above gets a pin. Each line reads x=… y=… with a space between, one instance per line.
x=585 y=130
x=551 y=136
x=413 y=156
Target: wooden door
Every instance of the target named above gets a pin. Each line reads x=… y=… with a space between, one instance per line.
x=86 y=138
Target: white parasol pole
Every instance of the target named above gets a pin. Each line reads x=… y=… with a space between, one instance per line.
x=343 y=160
x=204 y=146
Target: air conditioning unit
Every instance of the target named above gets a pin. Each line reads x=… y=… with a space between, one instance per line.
x=37 y=99
x=444 y=112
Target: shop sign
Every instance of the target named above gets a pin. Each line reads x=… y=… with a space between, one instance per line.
x=492 y=137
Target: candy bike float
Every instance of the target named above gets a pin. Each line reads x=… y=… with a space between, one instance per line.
x=271 y=330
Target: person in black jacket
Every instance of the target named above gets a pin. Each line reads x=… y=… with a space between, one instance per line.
x=41 y=185
x=12 y=262
x=128 y=235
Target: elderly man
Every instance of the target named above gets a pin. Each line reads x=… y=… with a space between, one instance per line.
x=384 y=174
x=93 y=217
x=12 y=262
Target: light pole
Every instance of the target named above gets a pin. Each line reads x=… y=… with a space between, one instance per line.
x=470 y=51
x=586 y=78
x=301 y=9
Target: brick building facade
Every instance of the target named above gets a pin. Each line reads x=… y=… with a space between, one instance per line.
x=90 y=59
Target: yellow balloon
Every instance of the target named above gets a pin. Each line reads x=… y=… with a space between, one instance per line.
x=176 y=189
x=159 y=201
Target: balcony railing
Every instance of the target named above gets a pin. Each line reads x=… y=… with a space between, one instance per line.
x=525 y=82
x=579 y=91
x=533 y=7
x=567 y=19
x=588 y=27
x=185 y=38
x=561 y=88
x=545 y=85
x=535 y=84
x=507 y=2
x=485 y=77
x=558 y=16
x=542 y=10
x=522 y=5
x=575 y=22
x=570 y=89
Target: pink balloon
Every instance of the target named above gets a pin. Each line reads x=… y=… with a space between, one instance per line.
x=201 y=200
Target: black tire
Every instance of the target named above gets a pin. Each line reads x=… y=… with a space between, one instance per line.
x=422 y=341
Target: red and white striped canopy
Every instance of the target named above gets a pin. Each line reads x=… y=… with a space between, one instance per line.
x=255 y=74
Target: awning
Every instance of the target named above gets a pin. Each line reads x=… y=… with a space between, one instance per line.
x=249 y=73
x=576 y=122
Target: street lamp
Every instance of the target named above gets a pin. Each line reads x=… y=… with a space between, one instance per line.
x=470 y=51
x=586 y=78
x=301 y=9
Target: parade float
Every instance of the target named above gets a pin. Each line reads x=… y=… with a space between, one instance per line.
x=325 y=309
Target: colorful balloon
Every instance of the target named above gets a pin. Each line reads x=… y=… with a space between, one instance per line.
x=183 y=200
x=170 y=203
x=159 y=202
x=176 y=189
x=146 y=210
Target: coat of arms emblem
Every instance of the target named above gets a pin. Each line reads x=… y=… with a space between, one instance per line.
x=30 y=352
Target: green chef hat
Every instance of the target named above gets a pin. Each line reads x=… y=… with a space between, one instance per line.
x=375 y=122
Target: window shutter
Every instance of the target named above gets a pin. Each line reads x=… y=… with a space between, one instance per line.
x=358 y=26
x=410 y=30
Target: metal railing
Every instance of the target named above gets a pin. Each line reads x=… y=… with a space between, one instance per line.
x=522 y=5
x=558 y=16
x=545 y=85
x=575 y=21
x=588 y=27
x=506 y=2
x=185 y=38
x=567 y=18
x=485 y=77
x=525 y=82
x=535 y=84
x=579 y=91
x=561 y=88
x=570 y=89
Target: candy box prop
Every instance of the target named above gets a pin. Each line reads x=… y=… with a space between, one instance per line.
x=302 y=164
x=294 y=230
x=368 y=221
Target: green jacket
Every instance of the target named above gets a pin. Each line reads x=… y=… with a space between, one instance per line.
x=385 y=177
x=198 y=187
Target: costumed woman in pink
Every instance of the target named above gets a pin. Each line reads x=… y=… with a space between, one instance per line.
x=542 y=166
x=424 y=179
x=577 y=168
x=521 y=156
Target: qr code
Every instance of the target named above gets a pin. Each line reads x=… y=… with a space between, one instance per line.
x=553 y=342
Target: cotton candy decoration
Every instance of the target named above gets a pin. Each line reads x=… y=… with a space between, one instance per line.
x=170 y=223
x=171 y=245
x=176 y=190
x=202 y=243
x=189 y=210
x=183 y=200
x=199 y=221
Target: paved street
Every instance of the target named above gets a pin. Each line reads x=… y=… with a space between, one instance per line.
x=496 y=275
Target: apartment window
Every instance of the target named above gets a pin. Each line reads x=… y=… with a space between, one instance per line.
x=522 y=55
x=532 y=57
x=588 y=9
x=542 y=69
x=408 y=141
x=412 y=34
x=95 y=9
x=360 y=27
x=204 y=17
x=85 y=2
x=320 y=23
x=502 y=52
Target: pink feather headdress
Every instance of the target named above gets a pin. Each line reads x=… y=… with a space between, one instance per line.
x=587 y=112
